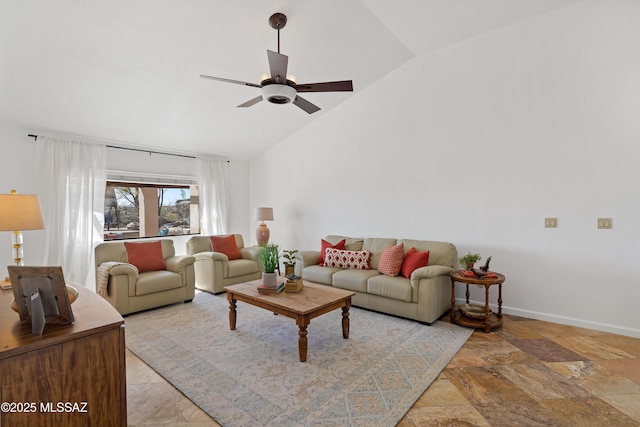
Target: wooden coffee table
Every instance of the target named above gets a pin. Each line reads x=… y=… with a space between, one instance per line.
x=311 y=301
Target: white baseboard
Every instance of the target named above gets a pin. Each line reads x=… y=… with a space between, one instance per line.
x=581 y=323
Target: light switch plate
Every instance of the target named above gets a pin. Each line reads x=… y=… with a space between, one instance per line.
x=605 y=223
x=551 y=223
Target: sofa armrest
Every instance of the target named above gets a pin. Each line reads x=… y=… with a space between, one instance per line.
x=307 y=258
x=178 y=263
x=430 y=271
x=304 y=259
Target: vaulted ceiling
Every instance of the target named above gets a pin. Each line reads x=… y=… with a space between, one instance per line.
x=128 y=70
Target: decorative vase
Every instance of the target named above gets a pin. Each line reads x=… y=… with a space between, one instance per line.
x=470 y=266
x=269 y=279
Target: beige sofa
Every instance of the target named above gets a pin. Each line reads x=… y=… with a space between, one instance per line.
x=214 y=270
x=129 y=291
x=424 y=297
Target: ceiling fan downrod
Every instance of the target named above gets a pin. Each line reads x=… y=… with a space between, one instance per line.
x=277 y=21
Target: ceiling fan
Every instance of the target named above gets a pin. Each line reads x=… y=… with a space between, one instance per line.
x=277 y=88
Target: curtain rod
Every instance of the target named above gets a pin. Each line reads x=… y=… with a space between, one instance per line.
x=35 y=137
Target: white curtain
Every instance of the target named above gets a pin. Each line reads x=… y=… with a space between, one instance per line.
x=72 y=187
x=212 y=186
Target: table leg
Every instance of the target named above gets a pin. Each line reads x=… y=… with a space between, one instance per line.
x=302 y=342
x=487 y=315
x=467 y=293
x=345 y=319
x=500 y=300
x=453 y=299
x=232 y=311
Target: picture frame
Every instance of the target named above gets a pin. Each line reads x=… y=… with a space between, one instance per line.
x=41 y=296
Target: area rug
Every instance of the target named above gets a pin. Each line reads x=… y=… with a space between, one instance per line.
x=252 y=376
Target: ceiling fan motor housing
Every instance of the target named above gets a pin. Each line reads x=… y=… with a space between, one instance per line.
x=278 y=93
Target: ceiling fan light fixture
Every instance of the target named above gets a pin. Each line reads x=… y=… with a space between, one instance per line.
x=278 y=93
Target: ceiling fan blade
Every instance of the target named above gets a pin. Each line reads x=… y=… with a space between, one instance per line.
x=305 y=105
x=238 y=82
x=251 y=102
x=339 y=86
x=278 y=65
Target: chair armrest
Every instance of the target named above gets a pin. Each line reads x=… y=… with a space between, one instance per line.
x=214 y=256
x=178 y=263
x=127 y=269
x=250 y=253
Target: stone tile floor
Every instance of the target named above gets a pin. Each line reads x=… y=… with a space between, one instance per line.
x=527 y=373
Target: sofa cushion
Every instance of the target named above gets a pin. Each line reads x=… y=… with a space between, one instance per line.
x=440 y=253
x=358 y=260
x=157 y=281
x=391 y=260
x=398 y=287
x=317 y=274
x=353 y=280
x=146 y=256
x=324 y=245
x=226 y=245
x=413 y=260
x=376 y=246
x=351 y=243
x=240 y=267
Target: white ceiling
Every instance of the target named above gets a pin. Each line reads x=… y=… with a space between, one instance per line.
x=127 y=70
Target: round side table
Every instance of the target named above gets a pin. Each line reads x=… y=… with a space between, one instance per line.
x=472 y=315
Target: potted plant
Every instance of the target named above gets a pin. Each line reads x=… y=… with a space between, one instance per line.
x=469 y=260
x=294 y=283
x=293 y=278
x=289 y=261
x=269 y=258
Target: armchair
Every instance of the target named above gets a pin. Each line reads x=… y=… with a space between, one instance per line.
x=129 y=290
x=214 y=270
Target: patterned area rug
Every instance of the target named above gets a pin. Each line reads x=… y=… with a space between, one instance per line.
x=252 y=376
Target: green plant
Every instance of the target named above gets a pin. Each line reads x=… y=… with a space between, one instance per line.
x=269 y=257
x=469 y=258
x=293 y=277
x=289 y=257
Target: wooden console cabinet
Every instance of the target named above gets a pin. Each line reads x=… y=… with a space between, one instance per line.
x=72 y=375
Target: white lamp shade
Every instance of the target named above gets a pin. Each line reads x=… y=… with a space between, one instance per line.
x=263 y=214
x=20 y=212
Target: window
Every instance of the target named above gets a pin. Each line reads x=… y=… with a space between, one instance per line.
x=133 y=210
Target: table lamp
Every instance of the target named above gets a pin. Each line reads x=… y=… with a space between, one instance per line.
x=262 y=233
x=20 y=212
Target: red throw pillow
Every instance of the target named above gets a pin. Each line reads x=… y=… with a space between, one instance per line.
x=391 y=260
x=324 y=245
x=226 y=245
x=413 y=260
x=146 y=256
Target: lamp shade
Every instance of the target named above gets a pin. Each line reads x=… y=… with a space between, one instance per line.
x=263 y=214
x=20 y=212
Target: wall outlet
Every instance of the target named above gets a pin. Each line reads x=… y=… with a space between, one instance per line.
x=551 y=223
x=605 y=223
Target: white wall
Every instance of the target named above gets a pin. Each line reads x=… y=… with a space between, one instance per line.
x=16 y=172
x=476 y=144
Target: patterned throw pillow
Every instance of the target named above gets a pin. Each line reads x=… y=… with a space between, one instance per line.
x=357 y=260
x=413 y=260
x=391 y=260
x=324 y=245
